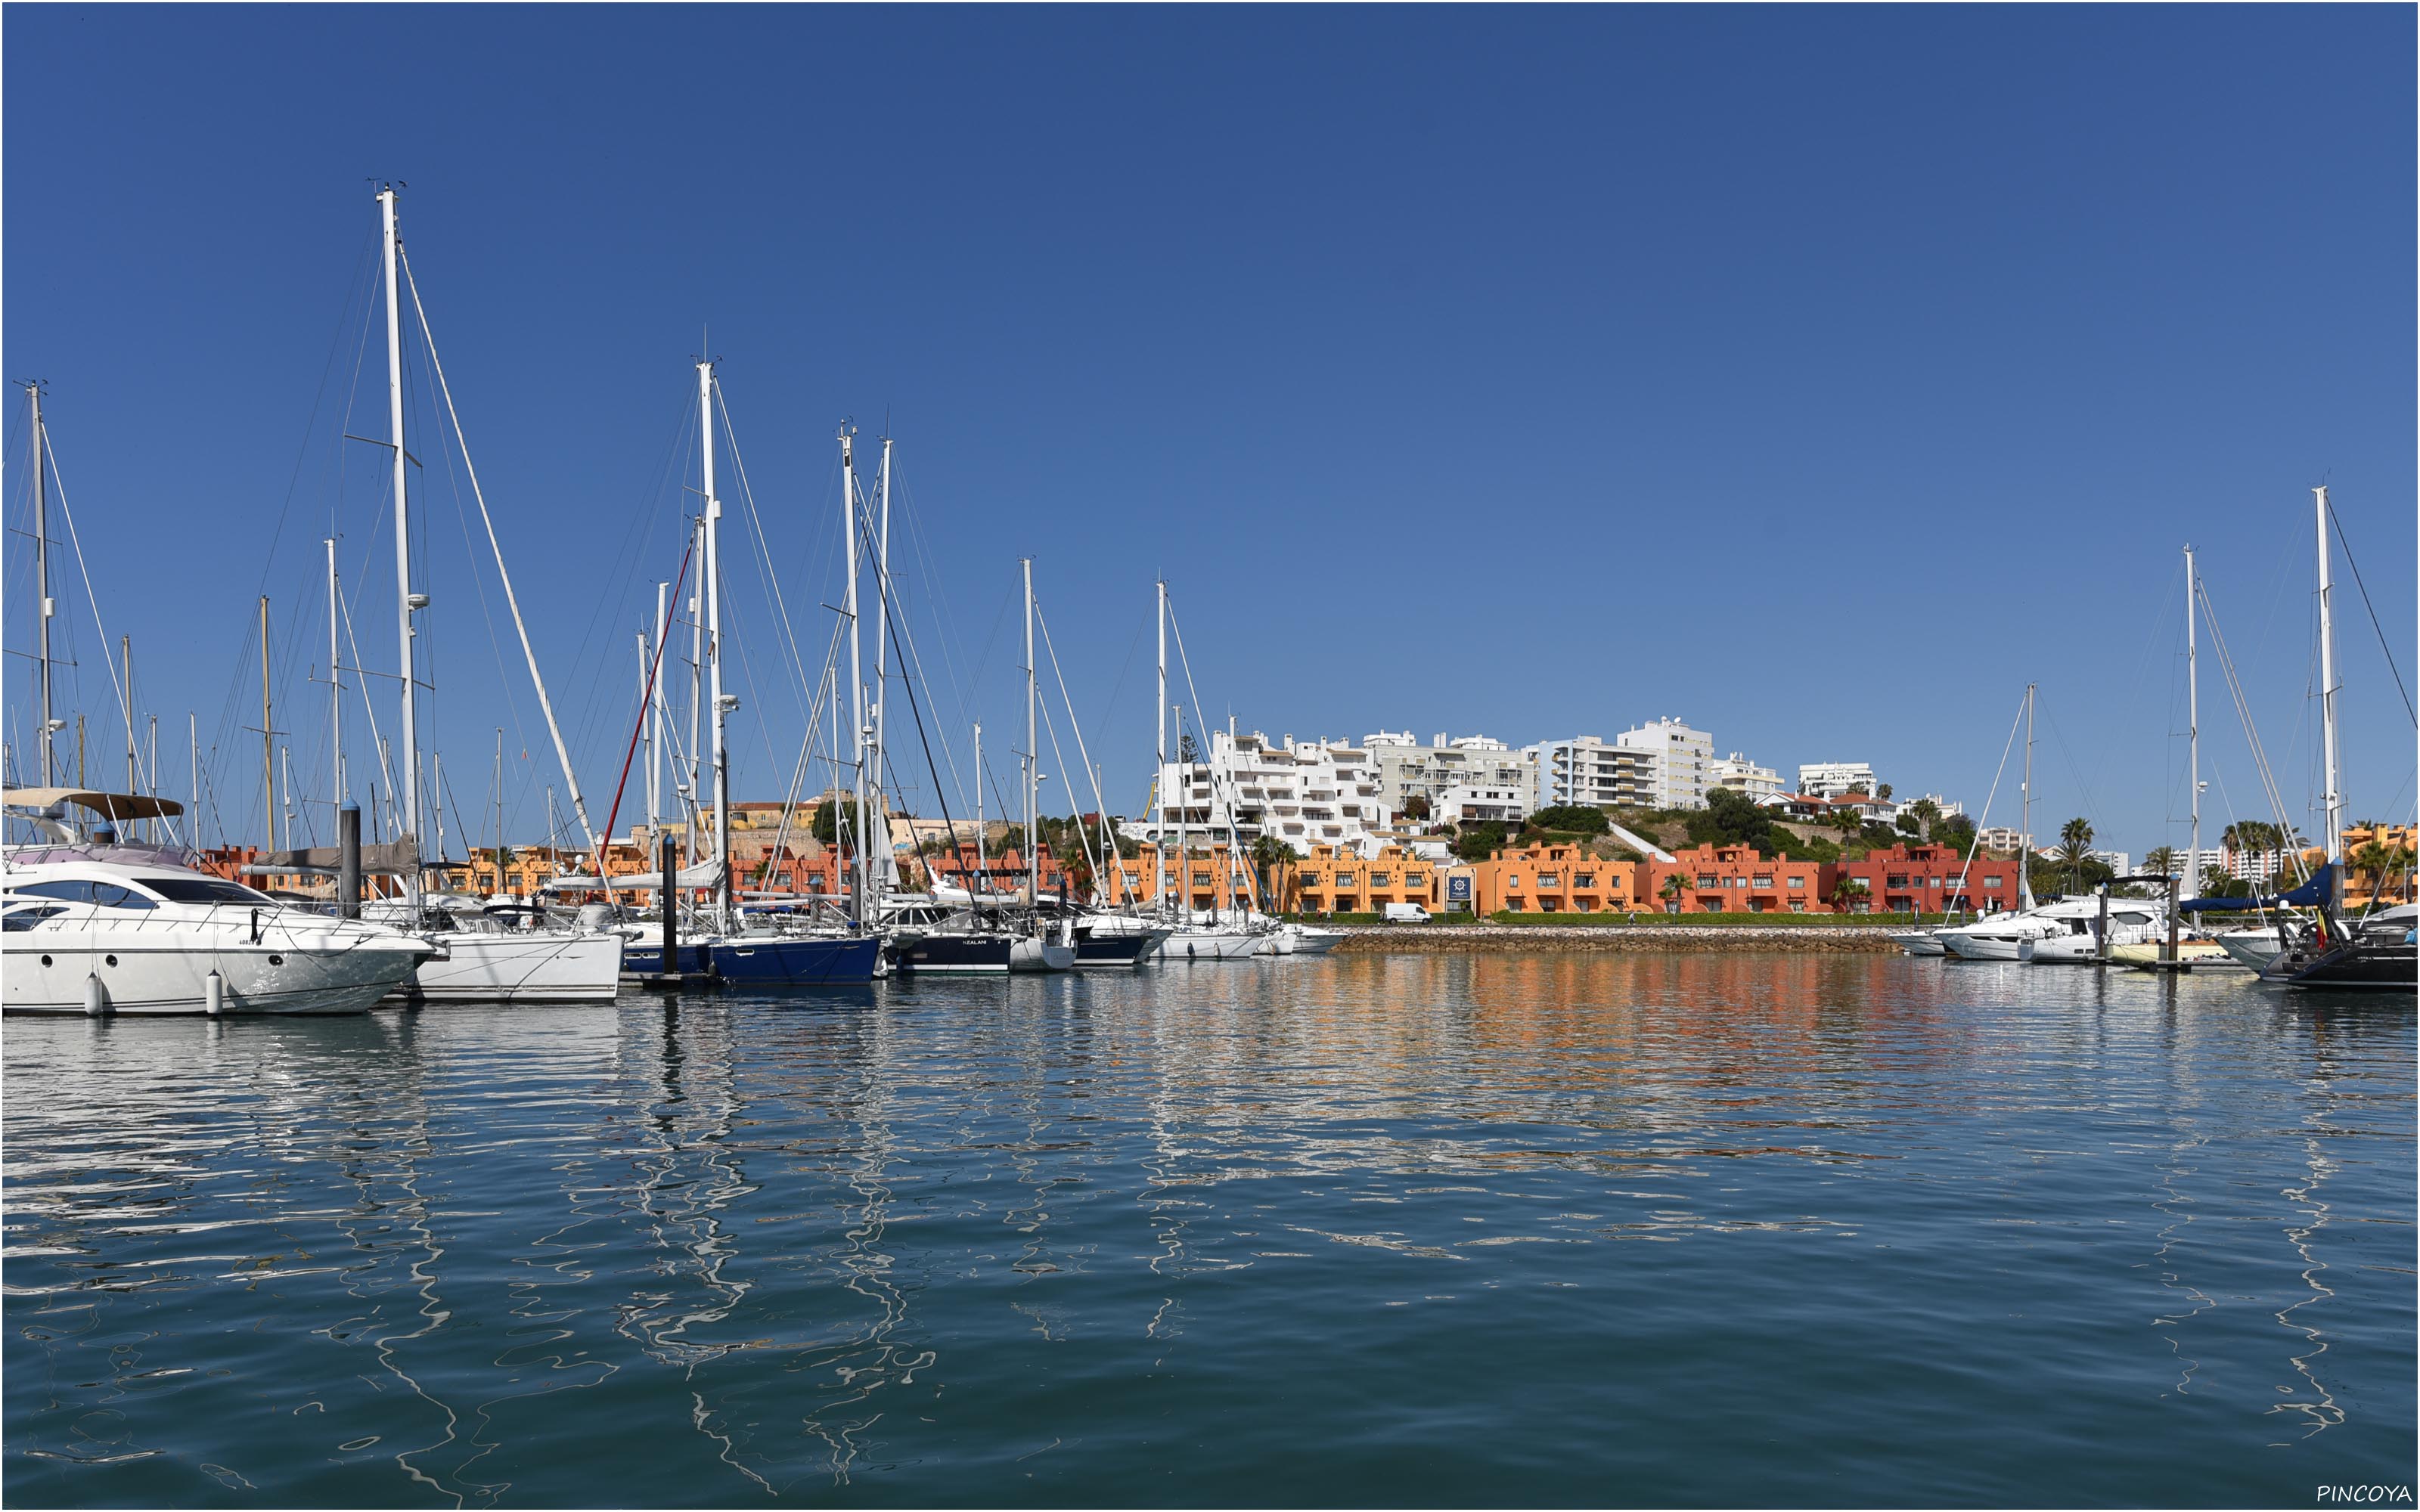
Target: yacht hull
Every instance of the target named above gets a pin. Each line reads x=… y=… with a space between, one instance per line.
x=1919 y=942
x=773 y=961
x=1119 y=951
x=520 y=968
x=149 y=978
x=955 y=956
x=1211 y=945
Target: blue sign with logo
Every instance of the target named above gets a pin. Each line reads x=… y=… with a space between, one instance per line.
x=1457 y=890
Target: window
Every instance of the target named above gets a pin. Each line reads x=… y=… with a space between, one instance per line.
x=1991 y=882
x=1765 y=884
x=29 y=915
x=1706 y=880
x=1798 y=905
x=1381 y=879
x=1796 y=884
x=106 y=894
x=204 y=890
x=1583 y=879
x=1416 y=879
x=1550 y=879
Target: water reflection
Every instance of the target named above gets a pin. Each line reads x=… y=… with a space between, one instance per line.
x=946 y=1238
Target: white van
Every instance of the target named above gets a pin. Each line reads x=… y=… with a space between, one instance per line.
x=1406 y=914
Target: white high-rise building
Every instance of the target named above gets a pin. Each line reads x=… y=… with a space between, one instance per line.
x=1588 y=770
x=1685 y=760
x=1744 y=776
x=1833 y=780
x=1407 y=769
x=1315 y=793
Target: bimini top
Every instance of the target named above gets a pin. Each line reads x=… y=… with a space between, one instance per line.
x=108 y=804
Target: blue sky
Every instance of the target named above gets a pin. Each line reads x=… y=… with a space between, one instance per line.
x=1819 y=376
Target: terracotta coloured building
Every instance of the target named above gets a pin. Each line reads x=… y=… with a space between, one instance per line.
x=1334 y=883
x=1555 y=879
x=1734 y=879
x=1908 y=879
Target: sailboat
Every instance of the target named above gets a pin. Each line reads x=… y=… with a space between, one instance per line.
x=1192 y=936
x=485 y=958
x=2379 y=952
x=735 y=948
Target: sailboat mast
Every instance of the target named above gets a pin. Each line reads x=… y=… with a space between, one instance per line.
x=856 y=671
x=1159 y=768
x=696 y=797
x=126 y=701
x=2193 y=730
x=656 y=717
x=43 y=607
x=268 y=741
x=335 y=691
x=982 y=863
x=713 y=584
x=408 y=827
x=2333 y=795
x=2026 y=819
x=1032 y=757
x=500 y=810
x=881 y=646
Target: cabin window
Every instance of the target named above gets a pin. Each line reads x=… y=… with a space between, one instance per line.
x=106 y=894
x=26 y=917
x=204 y=890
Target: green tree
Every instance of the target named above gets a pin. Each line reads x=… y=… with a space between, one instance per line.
x=2162 y=859
x=1475 y=840
x=1569 y=819
x=1926 y=813
x=1671 y=891
x=1883 y=792
x=1846 y=893
x=2075 y=848
x=1416 y=808
x=1270 y=857
x=1731 y=818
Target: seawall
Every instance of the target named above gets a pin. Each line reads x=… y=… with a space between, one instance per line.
x=1398 y=938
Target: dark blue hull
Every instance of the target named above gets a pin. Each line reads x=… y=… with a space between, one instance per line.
x=766 y=962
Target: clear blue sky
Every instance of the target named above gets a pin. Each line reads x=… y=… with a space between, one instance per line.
x=1820 y=377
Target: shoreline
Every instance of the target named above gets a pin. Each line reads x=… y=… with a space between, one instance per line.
x=1389 y=939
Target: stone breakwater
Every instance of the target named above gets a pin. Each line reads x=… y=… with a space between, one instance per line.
x=1835 y=939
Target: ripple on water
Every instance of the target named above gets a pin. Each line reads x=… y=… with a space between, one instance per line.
x=1408 y=1230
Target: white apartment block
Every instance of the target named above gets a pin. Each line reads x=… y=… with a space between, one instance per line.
x=1685 y=760
x=2000 y=837
x=1309 y=794
x=1585 y=769
x=1507 y=805
x=1831 y=779
x=1407 y=769
x=1758 y=784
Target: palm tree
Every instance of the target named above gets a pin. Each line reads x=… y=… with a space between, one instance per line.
x=1267 y=852
x=2075 y=848
x=2163 y=860
x=1672 y=889
x=1883 y=792
x=1846 y=891
x=1927 y=814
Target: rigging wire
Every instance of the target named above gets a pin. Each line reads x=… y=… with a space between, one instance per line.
x=2373 y=613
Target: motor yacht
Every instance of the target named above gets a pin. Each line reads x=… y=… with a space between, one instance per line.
x=2079 y=942
x=2001 y=936
x=1919 y=942
x=90 y=926
x=2376 y=953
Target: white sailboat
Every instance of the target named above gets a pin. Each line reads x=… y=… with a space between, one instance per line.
x=482 y=959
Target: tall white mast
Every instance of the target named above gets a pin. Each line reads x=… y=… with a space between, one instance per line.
x=407 y=825
x=1159 y=769
x=2193 y=730
x=1033 y=755
x=882 y=862
x=712 y=581
x=646 y=726
x=43 y=607
x=335 y=691
x=2025 y=820
x=856 y=671
x=192 y=777
x=695 y=796
x=2333 y=795
x=983 y=864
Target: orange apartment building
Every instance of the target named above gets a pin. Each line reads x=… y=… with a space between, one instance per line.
x=1910 y=879
x=1219 y=879
x=1334 y=883
x=1734 y=879
x=1554 y=879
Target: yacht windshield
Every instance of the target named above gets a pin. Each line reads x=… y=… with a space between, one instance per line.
x=204 y=890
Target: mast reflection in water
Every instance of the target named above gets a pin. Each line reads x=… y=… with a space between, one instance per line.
x=1533 y=1228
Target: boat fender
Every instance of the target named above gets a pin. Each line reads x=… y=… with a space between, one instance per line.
x=96 y=996
x=215 y=993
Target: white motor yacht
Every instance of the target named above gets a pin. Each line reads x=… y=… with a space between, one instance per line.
x=2078 y=942
x=2000 y=937
x=87 y=932
x=1919 y=942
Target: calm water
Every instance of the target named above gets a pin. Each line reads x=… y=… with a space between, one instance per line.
x=1416 y=1229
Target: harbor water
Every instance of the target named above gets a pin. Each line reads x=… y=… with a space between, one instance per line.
x=1544 y=1229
